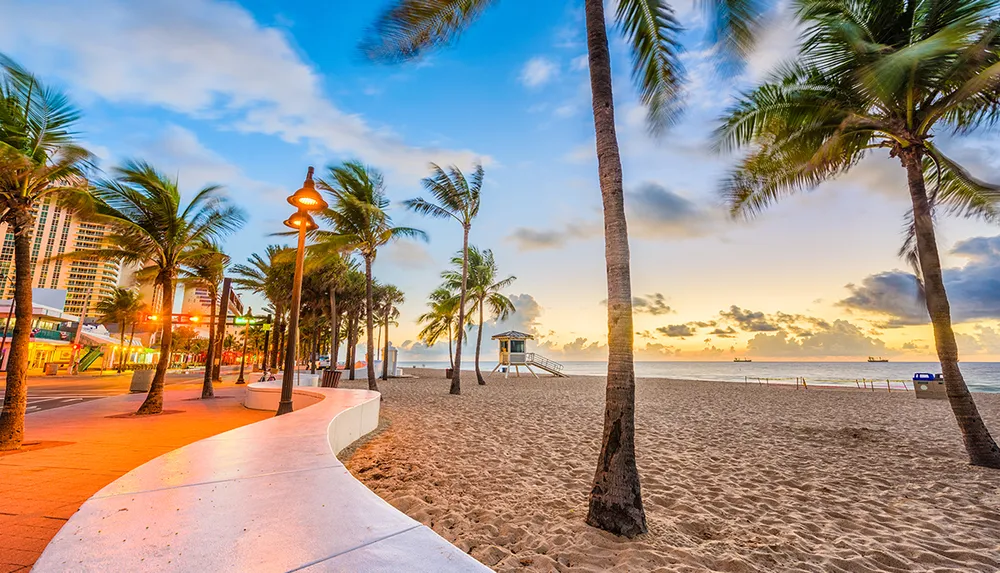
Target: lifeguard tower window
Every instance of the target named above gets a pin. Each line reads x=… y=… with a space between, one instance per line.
x=517 y=346
x=503 y=346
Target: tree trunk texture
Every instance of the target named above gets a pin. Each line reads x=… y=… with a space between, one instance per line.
x=615 y=499
x=479 y=346
x=370 y=326
x=352 y=343
x=385 y=352
x=15 y=400
x=451 y=353
x=334 y=333
x=456 y=374
x=315 y=349
x=979 y=444
x=121 y=343
x=207 y=390
x=154 y=400
x=276 y=344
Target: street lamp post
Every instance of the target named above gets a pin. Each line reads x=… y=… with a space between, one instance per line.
x=243 y=357
x=305 y=199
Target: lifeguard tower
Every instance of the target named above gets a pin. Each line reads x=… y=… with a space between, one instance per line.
x=513 y=353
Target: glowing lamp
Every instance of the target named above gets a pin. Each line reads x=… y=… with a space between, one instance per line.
x=300 y=219
x=308 y=198
x=195 y=318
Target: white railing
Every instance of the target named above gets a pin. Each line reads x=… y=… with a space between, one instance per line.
x=539 y=360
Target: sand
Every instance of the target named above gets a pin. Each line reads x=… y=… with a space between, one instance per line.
x=734 y=477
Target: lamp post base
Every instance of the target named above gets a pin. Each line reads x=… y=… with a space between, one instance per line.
x=284 y=407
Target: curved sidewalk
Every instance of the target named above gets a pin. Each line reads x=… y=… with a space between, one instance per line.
x=271 y=496
x=81 y=450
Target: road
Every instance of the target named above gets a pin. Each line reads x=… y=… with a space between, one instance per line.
x=48 y=392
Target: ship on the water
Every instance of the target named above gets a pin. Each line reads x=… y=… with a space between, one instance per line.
x=877 y=359
x=742 y=360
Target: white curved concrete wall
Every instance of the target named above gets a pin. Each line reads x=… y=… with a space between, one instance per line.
x=271 y=496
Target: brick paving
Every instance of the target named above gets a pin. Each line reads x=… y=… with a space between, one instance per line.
x=74 y=451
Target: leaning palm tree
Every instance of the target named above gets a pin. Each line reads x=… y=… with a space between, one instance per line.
x=456 y=198
x=484 y=290
x=150 y=226
x=208 y=272
x=360 y=222
x=440 y=320
x=391 y=297
x=39 y=159
x=882 y=74
x=119 y=308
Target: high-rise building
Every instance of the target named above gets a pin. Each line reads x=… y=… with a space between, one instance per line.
x=56 y=232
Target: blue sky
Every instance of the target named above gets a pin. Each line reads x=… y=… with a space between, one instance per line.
x=248 y=94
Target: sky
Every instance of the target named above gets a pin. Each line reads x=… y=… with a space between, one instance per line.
x=248 y=94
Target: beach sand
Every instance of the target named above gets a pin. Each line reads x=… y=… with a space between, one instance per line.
x=734 y=477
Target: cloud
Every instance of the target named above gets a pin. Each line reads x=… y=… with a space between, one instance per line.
x=654 y=304
x=973 y=289
x=207 y=59
x=528 y=239
x=407 y=254
x=676 y=330
x=749 y=321
x=729 y=332
x=841 y=339
x=538 y=71
x=655 y=211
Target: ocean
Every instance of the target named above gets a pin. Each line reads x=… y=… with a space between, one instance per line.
x=980 y=376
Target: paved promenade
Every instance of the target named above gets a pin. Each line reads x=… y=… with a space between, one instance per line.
x=73 y=451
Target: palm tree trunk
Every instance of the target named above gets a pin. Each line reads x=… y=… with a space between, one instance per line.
x=615 y=499
x=154 y=400
x=479 y=346
x=352 y=343
x=451 y=353
x=15 y=401
x=981 y=447
x=456 y=375
x=385 y=352
x=336 y=340
x=121 y=343
x=131 y=337
x=315 y=349
x=370 y=324
x=207 y=390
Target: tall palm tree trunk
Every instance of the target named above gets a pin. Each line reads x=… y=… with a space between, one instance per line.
x=335 y=351
x=981 y=447
x=315 y=350
x=479 y=346
x=456 y=374
x=15 y=400
x=615 y=499
x=370 y=325
x=385 y=353
x=451 y=352
x=352 y=343
x=207 y=390
x=153 y=404
x=279 y=329
x=131 y=339
x=121 y=343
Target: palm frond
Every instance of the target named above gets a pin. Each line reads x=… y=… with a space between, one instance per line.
x=409 y=28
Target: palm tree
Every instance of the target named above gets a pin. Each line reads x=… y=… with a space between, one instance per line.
x=881 y=74
x=389 y=300
x=270 y=275
x=440 y=319
x=39 y=158
x=457 y=198
x=151 y=227
x=410 y=28
x=208 y=272
x=360 y=222
x=119 y=308
x=484 y=288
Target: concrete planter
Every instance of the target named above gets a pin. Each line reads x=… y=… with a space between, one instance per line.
x=141 y=380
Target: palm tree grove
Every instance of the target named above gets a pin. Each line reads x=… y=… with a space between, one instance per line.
x=724 y=274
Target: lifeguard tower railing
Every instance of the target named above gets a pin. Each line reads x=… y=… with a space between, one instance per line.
x=544 y=363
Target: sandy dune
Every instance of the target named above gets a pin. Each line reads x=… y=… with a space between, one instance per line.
x=734 y=477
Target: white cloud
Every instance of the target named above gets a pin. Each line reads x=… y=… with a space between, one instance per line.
x=204 y=58
x=538 y=72
x=580 y=63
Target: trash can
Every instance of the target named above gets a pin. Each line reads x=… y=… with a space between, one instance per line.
x=931 y=386
x=52 y=368
x=449 y=372
x=141 y=380
x=331 y=378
